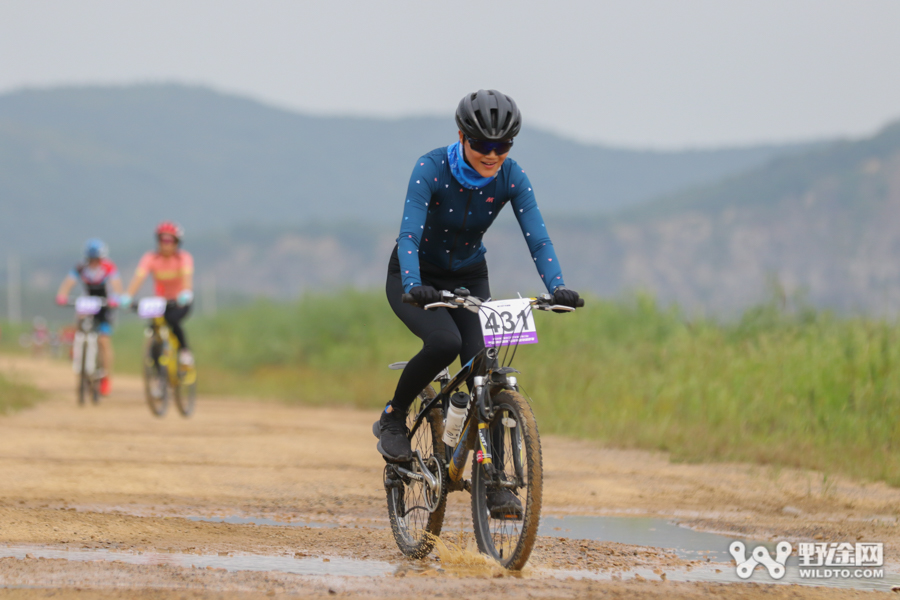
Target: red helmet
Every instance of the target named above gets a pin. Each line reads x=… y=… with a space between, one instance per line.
x=171 y=228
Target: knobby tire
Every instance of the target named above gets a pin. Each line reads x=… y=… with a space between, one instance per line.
x=83 y=379
x=510 y=541
x=416 y=530
x=186 y=395
x=156 y=376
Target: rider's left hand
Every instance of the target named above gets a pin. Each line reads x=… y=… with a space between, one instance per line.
x=565 y=297
x=185 y=297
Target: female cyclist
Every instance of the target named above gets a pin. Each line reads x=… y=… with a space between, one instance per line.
x=97 y=273
x=454 y=195
x=173 y=272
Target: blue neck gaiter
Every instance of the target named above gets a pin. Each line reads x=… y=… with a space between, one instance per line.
x=466 y=175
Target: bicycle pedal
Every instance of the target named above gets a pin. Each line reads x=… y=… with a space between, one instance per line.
x=506 y=516
x=403 y=461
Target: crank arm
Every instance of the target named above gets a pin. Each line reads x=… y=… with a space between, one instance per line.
x=430 y=479
x=424 y=476
x=411 y=474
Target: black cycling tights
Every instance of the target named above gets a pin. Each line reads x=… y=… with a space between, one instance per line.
x=174 y=315
x=445 y=333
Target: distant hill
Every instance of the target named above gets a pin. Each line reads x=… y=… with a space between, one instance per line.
x=112 y=161
x=825 y=223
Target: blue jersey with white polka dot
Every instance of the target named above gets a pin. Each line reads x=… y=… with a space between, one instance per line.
x=443 y=222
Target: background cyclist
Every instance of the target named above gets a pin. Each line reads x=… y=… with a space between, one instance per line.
x=454 y=195
x=172 y=269
x=97 y=273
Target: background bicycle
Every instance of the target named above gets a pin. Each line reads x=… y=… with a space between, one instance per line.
x=164 y=376
x=87 y=362
x=495 y=421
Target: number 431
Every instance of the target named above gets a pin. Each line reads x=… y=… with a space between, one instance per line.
x=508 y=324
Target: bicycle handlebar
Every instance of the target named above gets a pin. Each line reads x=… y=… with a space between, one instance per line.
x=455 y=300
x=135 y=303
x=71 y=303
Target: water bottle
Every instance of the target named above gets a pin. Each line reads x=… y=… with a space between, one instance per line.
x=456 y=417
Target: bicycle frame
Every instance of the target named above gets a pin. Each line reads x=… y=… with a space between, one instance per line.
x=159 y=332
x=85 y=345
x=488 y=378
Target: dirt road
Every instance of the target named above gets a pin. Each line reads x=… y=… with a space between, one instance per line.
x=116 y=479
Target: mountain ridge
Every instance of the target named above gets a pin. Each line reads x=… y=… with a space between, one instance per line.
x=111 y=161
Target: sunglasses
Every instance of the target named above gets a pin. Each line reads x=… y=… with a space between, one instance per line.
x=486 y=147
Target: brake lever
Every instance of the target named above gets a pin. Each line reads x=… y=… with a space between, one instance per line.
x=434 y=305
x=557 y=308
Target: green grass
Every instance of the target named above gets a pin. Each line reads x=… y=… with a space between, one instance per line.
x=9 y=337
x=783 y=387
x=15 y=396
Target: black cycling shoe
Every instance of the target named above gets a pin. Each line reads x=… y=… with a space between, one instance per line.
x=503 y=504
x=393 y=437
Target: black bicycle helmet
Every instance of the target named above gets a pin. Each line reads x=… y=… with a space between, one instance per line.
x=488 y=115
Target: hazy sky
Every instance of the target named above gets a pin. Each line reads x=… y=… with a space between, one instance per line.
x=664 y=73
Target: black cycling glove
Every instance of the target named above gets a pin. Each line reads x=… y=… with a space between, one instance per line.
x=425 y=294
x=564 y=296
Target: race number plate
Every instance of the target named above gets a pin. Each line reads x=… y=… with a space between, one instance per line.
x=88 y=305
x=150 y=308
x=508 y=322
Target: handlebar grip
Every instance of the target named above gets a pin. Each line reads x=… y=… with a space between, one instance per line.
x=579 y=303
x=407 y=299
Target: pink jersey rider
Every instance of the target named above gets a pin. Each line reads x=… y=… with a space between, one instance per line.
x=168 y=271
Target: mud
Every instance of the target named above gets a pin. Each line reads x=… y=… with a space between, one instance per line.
x=114 y=477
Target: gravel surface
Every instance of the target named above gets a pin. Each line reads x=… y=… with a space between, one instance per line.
x=114 y=478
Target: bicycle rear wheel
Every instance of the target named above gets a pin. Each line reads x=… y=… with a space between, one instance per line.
x=414 y=526
x=156 y=381
x=518 y=467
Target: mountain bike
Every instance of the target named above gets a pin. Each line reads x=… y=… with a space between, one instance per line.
x=163 y=374
x=87 y=362
x=499 y=426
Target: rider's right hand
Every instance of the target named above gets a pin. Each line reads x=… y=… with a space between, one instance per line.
x=62 y=300
x=425 y=294
x=124 y=301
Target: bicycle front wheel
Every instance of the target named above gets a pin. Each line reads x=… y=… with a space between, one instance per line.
x=84 y=382
x=414 y=525
x=186 y=391
x=506 y=504
x=156 y=382
x=95 y=381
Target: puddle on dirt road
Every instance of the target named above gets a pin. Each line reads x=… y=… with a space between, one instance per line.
x=643 y=531
x=689 y=544
x=345 y=567
x=261 y=521
x=719 y=573
x=332 y=565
